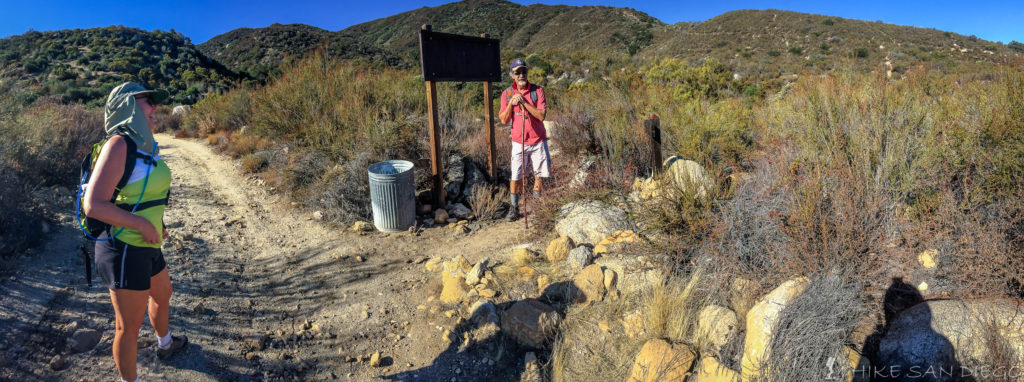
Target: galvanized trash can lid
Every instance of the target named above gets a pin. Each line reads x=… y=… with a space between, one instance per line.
x=390 y=167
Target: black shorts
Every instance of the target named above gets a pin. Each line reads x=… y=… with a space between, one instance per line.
x=124 y=266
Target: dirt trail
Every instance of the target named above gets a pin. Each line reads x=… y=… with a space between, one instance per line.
x=263 y=291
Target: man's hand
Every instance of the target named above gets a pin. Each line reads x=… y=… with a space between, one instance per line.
x=516 y=99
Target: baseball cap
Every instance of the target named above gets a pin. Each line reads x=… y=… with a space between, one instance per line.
x=516 y=64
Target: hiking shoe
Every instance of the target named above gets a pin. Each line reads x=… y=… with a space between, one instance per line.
x=177 y=343
x=513 y=214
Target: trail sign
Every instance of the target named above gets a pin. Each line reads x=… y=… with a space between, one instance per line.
x=452 y=57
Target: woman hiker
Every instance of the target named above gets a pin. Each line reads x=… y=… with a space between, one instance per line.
x=131 y=264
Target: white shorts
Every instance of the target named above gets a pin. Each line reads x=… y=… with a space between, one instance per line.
x=538 y=160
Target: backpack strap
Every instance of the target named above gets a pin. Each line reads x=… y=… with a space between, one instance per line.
x=130 y=155
x=533 y=93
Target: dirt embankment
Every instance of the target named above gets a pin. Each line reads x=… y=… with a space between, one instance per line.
x=263 y=291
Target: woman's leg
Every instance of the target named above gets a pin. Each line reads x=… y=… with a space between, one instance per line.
x=129 y=310
x=159 y=301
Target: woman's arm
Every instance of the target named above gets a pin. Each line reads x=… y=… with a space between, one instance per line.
x=108 y=170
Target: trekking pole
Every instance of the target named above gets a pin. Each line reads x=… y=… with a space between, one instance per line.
x=522 y=162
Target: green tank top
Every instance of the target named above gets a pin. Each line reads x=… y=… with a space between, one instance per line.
x=156 y=188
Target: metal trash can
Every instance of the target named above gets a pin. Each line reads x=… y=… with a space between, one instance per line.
x=393 y=195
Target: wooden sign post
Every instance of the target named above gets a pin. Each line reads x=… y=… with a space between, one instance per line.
x=451 y=57
x=652 y=127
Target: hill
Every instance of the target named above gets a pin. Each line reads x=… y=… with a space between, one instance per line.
x=760 y=43
x=82 y=65
x=780 y=42
x=530 y=28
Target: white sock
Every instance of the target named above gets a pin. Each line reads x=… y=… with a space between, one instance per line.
x=164 y=342
x=125 y=380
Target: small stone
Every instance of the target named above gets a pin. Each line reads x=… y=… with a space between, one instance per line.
x=923 y=286
x=603 y=325
x=360 y=258
x=318 y=215
x=365 y=315
x=84 y=340
x=929 y=258
x=434 y=264
x=361 y=226
x=580 y=257
x=440 y=215
x=250 y=356
x=449 y=313
x=421 y=307
x=474 y=274
x=559 y=249
x=523 y=256
x=57 y=362
x=488 y=293
x=375 y=359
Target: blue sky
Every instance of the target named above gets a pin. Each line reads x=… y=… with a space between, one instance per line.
x=200 y=20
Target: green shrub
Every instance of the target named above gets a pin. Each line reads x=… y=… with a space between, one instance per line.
x=796 y=50
x=860 y=52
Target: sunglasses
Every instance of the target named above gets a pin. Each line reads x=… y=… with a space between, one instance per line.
x=520 y=72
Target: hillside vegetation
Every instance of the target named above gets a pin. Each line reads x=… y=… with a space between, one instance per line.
x=82 y=65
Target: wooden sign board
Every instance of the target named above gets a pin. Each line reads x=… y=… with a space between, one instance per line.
x=452 y=57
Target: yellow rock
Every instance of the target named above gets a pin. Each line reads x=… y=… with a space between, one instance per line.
x=710 y=370
x=923 y=286
x=454 y=289
x=716 y=326
x=542 y=282
x=362 y=226
x=928 y=258
x=761 y=322
x=434 y=264
x=421 y=307
x=462 y=263
x=600 y=249
x=449 y=313
x=375 y=359
x=633 y=325
x=620 y=236
x=526 y=273
x=603 y=325
x=660 y=361
x=860 y=367
x=488 y=293
x=522 y=256
x=559 y=248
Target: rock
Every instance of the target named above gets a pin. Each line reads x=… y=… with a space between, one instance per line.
x=859 y=367
x=488 y=293
x=660 y=361
x=761 y=324
x=455 y=174
x=375 y=359
x=742 y=296
x=57 y=362
x=84 y=340
x=181 y=111
x=440 y=215
x=474 y=274
x=453 y=290
x=590 y=221
x=526 y=273
x=360 y=258
x=951 y=333
x=923 y=286
x=609 y=279
x=559 y=248
x=249 y=356
x=523 y=256
x=632 y=276
x=604 y=326
x=530 y=322
x=716 y=326
x=318 y=215
x=580 y=257
x=590 y=283
x=633 y=324
x=710 y=370
x=542 y=282
x=928 y=258
x=461 y=211
x=531 y=369
x=361 y=226
x=679 y=175
x=483 y=312
x=434 y=264
x=620 y=236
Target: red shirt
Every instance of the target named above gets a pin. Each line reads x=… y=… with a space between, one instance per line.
x=535 y=132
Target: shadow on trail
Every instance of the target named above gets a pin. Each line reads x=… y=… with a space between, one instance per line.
x=467 y=360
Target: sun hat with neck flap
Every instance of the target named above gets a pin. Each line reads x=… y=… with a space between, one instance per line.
x=122 y=115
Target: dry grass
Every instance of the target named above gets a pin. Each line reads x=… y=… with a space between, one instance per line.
x=487 y=201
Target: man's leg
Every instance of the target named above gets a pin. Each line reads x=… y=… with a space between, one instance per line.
x=516 y=186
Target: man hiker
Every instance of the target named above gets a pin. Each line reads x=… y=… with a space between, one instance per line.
x=524 y=105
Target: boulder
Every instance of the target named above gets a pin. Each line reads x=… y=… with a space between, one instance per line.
x=361 y=226
x=181 y=110
x=633 y=277
x=590 y=221
x=620 y=236
x=660 y=361
x=531 y=322
x=461 y=211
x=679 y=175
x=950 y=334
x=440 y=215
x=580 y=257
x=84 y=340
x=477 y=272
x=559 y=248
x=710 y=370
x=453 y=280
x=455 y=175
x=761 y=323
x=590 y=283
x=434 y=264
x=716 y=326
